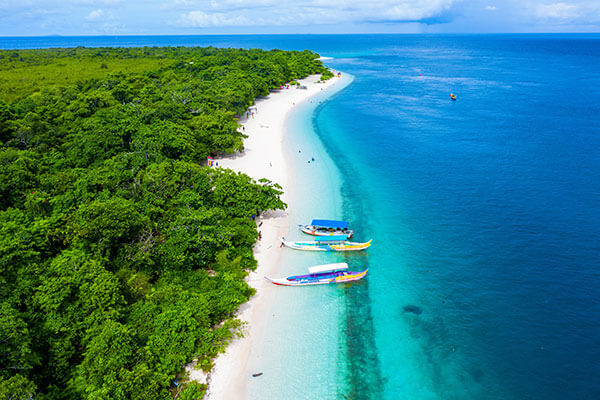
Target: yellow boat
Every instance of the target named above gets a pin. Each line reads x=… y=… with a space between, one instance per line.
x=452 y=96
x=327 y=243
x=322 y=274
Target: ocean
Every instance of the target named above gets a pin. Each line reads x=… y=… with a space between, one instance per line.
x=484 y=273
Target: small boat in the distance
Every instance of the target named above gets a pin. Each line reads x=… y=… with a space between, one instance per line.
x=452 y=96
x=327 y=243
x=322 y=275
x=326 y=227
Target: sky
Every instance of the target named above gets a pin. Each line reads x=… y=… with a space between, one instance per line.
x=148 y=17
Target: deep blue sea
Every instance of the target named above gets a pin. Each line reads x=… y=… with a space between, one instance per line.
x=484 y=278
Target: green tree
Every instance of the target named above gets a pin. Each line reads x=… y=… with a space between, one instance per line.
x=104 y=372
x=17 y=387
x=18 y=175
x=108 y=224
x=15 y=343
x=121 y=257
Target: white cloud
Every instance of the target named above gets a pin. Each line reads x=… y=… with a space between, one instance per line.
x=201 y=19
x=95 y=15
x=178 y=5
x=96 y=2
x=148 y=16
x=113 y=27
x=407 y=10
x=105 y=20
x=557 y=11
x=283 y=12
x=245 y=4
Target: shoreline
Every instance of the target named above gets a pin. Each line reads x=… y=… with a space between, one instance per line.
x=264 y=157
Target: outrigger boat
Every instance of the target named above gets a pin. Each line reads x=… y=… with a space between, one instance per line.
x=326 y=227
x=327 y=243
x=321 y=275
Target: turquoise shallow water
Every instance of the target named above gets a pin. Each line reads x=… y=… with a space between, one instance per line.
x=484 y=277
x=303 y=352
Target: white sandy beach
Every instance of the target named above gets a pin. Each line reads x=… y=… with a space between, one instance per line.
x=263 y=157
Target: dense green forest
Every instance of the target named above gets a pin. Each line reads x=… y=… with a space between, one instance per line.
x=122 y=257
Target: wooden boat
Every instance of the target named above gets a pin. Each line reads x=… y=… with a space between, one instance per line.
x=322 y=275
x=327 y=243
x=326 y=227
x=452 y=96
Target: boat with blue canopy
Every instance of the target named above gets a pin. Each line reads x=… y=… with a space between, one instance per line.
x=327 y=243
x=326 y=227
x=322 y=275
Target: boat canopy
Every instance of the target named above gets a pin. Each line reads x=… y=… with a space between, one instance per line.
x=334 y=238
x=326 y=223
x=327 y=267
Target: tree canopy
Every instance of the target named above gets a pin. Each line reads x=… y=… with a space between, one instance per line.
x=122 y=256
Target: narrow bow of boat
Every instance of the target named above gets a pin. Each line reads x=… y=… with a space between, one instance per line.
x=281 y=281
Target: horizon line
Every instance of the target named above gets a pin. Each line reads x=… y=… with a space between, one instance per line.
x=302 y=34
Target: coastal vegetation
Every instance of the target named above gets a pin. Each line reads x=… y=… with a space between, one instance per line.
x=122 y=256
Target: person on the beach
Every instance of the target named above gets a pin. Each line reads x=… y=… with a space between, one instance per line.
x=259 y=235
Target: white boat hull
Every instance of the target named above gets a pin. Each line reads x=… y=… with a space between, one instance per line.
x=311 y=230
x=311 y=280
x=336 y=246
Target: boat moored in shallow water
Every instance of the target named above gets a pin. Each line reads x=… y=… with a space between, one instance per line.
x=326 y=227
x=327 y=243
x=321 y=275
